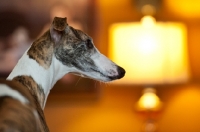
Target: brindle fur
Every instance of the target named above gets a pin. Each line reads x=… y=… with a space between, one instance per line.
x=34 y=88
x=36 y=95
x=42 y=50
x=12 y=121
x=14 y=113
x=73 y=50
x=59 y=23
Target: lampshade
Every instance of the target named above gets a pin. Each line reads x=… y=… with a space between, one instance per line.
x=151 y=52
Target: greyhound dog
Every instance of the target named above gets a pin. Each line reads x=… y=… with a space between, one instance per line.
x=60 y=50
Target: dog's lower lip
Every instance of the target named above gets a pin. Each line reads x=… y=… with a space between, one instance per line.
x=109 y=77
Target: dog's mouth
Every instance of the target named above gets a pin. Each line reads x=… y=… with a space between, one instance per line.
x=103 y=77
x=108 y=78
x=120 y=73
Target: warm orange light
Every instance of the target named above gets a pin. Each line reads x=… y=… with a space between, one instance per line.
x=185 y=8
x=151 y=53
x=149 y=100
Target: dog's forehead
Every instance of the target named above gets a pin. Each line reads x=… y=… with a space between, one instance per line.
x=77 y=33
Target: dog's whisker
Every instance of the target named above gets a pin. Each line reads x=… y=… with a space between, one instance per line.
x=78 y=81
x=95 y=85
x=106 y=84
x=99 y=83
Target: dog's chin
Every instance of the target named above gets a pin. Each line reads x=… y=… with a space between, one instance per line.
x=98 y=76
x=101 y=79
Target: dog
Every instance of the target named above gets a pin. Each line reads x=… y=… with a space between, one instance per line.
x=60 y=50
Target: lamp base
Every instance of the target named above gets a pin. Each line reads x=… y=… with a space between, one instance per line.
x=149 y=126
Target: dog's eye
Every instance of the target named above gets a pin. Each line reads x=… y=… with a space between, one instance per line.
x=89 y=44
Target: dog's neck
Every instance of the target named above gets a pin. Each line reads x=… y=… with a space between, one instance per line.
x=35 y=77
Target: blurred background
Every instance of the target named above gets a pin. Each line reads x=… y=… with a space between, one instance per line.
x=164 y=96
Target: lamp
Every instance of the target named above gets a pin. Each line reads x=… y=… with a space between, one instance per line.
x=153 y=53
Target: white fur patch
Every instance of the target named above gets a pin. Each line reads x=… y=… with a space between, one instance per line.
x=7 y=91
x=46 y=78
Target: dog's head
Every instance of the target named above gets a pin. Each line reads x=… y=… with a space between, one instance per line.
x=75 y=51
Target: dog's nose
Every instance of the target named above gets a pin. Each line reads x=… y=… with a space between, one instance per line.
x=121 y=72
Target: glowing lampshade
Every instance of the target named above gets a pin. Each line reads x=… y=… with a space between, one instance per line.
x=151 y=52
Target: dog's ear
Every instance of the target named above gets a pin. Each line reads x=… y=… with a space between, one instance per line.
x=57 y=28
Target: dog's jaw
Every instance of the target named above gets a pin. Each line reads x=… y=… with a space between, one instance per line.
x=102 y=69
